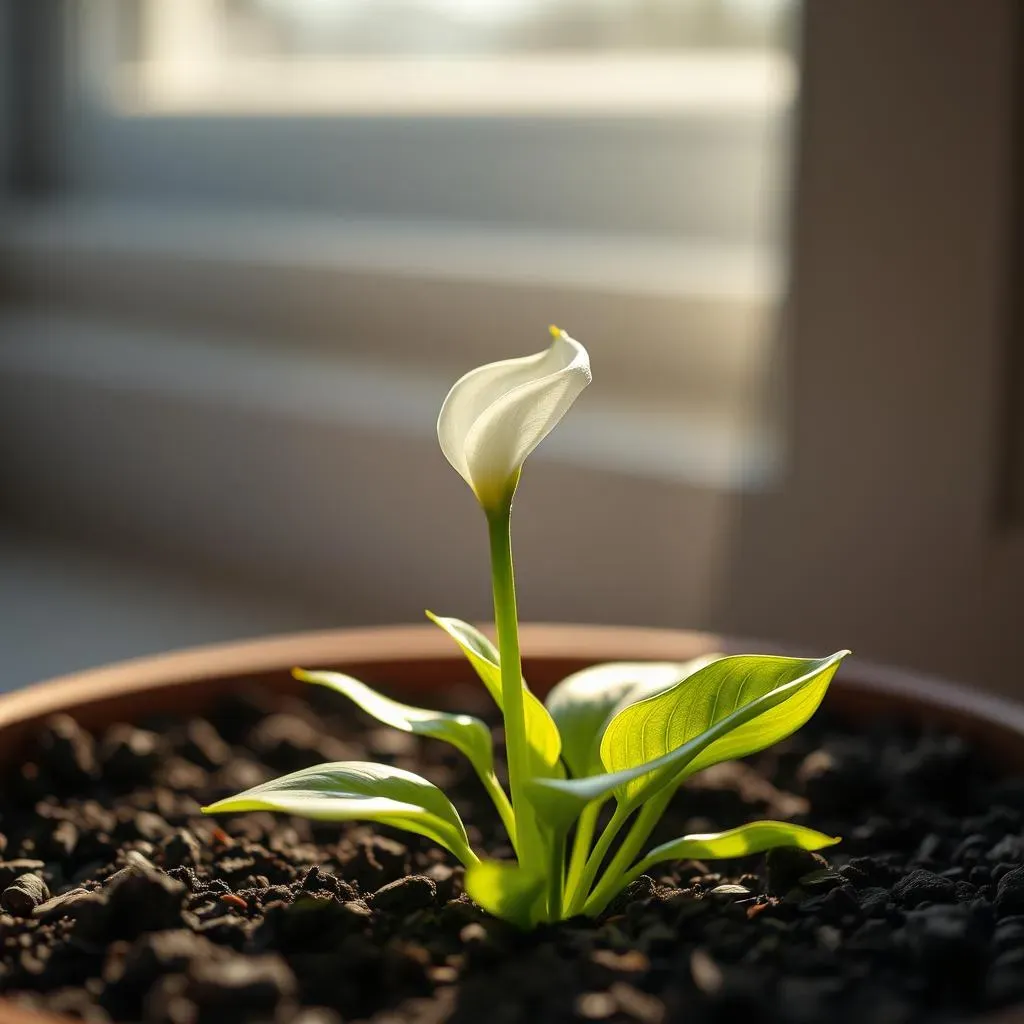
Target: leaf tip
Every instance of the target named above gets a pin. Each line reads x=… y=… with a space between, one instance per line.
x=222 y=806
x=316 y=677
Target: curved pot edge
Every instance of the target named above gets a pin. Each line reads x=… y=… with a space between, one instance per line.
x=369 y=644
x=380 y=653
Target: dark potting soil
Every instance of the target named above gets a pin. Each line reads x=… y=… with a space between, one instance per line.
x=121 y=902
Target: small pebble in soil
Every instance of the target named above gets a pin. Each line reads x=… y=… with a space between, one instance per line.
x=68 y=752
x=66 y=905
x=415 y=892
x=707 y=975
x=23 y=895
x=204 y=745
x=128 y=754
x=1010 y=893
x=922 y=886
x=179 y=849
x=596 y=1005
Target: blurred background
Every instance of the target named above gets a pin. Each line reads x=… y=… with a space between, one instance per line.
x=247 y=245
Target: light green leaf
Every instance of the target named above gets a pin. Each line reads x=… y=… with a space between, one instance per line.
x=541 y=731
x=506 y=891
x=464 y=732
x=359 y=791
x=667 y=721
x=559 y=801
x=736 y=842
x=583 y=703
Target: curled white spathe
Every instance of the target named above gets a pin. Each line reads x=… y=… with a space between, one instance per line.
x=497 y=414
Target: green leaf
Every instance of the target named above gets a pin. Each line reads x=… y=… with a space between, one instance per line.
x=359 y=791
x=464 y=732
x=541 y=731
x=507 y=891
x=559 y=801
x=736 y=842
x=653 y=727
x=583 y=703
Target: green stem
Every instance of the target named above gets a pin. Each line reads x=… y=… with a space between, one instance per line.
x=469 y=858
x=513 y=703
x=597 y=856
x=556 y=877
x=580 y=848
x=501 y=803
x=615 y=877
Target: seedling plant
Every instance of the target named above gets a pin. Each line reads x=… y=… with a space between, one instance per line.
x=590 y=770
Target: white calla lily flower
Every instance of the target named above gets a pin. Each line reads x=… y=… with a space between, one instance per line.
x=497 y=414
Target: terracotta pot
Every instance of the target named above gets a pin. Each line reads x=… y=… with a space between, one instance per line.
x=418 y=659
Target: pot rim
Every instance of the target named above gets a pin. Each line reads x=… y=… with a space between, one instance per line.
x=386 y=650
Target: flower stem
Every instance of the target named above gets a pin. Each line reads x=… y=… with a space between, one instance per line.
x=513 y=703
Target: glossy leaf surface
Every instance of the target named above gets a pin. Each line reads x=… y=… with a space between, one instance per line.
x=755 y=837
x=583 y=703
x=667 y=721
x=541 y=731
x=559 y=801
x=359 y=791
x=464 y=732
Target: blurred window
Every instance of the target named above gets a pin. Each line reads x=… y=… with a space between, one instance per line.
x=426 y=184
x=249 y=245
x=660 y=117
x=542 y=57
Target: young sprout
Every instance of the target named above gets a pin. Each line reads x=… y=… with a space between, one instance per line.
x=620 y=736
